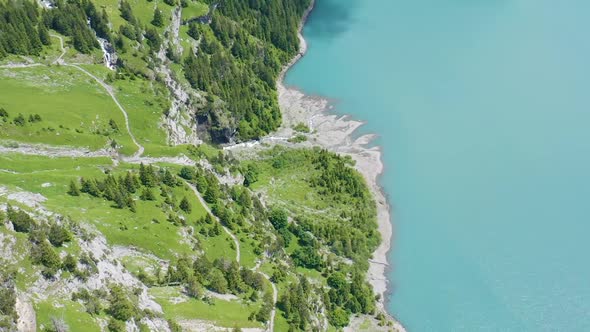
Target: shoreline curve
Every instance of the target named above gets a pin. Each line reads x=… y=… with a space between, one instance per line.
x=335 y=133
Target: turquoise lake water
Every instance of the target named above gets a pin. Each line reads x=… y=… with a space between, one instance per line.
x=483 y=112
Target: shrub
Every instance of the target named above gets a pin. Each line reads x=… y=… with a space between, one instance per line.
x=338 y=317
x=121 y=307
x=21 y=221
x=70 y=263
x=44 y=254
x=185 y=205
x=34 y=118
x=278 y=218
x=186 y=173
x=116 y=325
x=19 y=120
x=7 y=298
x=301 y=127
x=58 y=235
x=147 y=195
x=73 y=190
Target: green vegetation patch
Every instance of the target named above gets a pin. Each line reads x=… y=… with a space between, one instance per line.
x=63 y=107
x=71 y=313
x=218 y=312
x=148 y=228
x=194 y=9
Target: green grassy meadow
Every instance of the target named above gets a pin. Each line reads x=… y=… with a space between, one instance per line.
x=147 y=229
x=74 y=109
x=221 y=313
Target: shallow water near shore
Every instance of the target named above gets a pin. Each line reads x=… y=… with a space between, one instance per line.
x=483 y=112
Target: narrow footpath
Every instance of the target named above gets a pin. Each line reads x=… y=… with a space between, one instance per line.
x=275 y=292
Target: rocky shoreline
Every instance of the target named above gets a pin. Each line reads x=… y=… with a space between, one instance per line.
x=336 y=134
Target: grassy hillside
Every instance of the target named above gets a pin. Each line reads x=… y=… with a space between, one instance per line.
x=165 y=233
x=74 y=110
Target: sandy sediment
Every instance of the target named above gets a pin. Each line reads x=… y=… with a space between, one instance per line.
x=335 y=133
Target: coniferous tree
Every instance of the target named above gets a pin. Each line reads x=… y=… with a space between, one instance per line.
x=58 y=235
x=147 y=195
x=185 y=205
x=158 y=19
x=44 y=35
x=127 y=12
x=153 y=39
x=193 y=30
x=70 y=263
x=147 y=175
x=21 y=221
x=74 y=190
x=131 y=183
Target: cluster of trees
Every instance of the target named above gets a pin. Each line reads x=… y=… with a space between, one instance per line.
x=274 y=21
x=220 y=276
x=25 y=26
x=353 y=234
x=323 y=240
x=120 y=190
x=133 y=29
x=20 y=120
x=240 y=56
x=121 y=305
x=239 y=99
x=348 y=294
x=125 y=189
x=294 y=303
x=232 y=205
x=21 y=221
x=70 y=18
x=44 y=239
x=22 y=32
x=117 y=190
x=337 y=177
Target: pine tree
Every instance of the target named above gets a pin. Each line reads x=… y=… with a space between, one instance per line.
x=44 y=34
x=91 y=188
x=185 y=205
x=147 y=195
x=158 y=19
x=130 y=182
x=58 y=235
x=147 y=176
x=131 y=204
x=120 y=200
x=169 y=179
x=44 y=254
x=73 y=191
x=70 y=263
x=193 y=31
x=127 y=12
x=80 y=43
x=212 y=194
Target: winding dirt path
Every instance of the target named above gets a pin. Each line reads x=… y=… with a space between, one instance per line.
x=63 y=50
x=202 y=200
x=275 y=292
x=59 y=60
x=109 y=90
x=275 y=298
